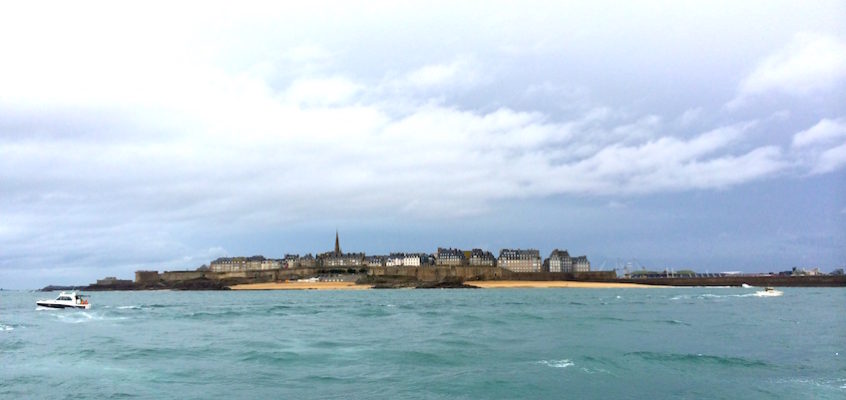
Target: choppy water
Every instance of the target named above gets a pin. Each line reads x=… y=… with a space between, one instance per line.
x=429 y=344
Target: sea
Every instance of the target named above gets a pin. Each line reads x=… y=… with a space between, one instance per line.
x=658 y=343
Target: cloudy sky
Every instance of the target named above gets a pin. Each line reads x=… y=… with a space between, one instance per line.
x=673 y=134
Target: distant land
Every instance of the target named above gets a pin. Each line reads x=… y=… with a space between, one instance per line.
x=446 y=268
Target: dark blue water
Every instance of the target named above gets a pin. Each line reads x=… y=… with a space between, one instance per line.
x=429 y=344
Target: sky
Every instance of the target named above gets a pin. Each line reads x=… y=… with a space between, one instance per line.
x=704 y=135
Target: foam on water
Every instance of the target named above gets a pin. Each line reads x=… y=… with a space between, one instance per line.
x=6 y=328
x=705 y=296
x=557 y=363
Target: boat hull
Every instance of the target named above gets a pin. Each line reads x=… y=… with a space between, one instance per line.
x=58 y=305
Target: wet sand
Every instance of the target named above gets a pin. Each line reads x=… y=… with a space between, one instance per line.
x=481 y=284
x=554 y=284
x=301 y=286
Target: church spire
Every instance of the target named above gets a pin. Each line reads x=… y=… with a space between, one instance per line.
x=337 y=244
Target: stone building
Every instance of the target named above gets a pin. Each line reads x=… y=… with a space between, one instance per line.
x=581 y=264
x=520 y=260
x=415 y=259
x=560 y=261
x=235 y=264
x=346 y=260
x=306 y=261
x=395 y=260
x=228 y=264
x=337 y=258
x=146 y=276
x=375 y=261
x=450 y=257
x=480 y=258
x=271 y=263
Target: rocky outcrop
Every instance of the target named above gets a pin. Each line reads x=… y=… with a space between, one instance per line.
x=403 y=281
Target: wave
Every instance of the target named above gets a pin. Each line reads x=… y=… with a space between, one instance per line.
x=672 y=322
x=564 y=363
x=209 y=315
x=706 y=296
x=698 y=359
x=78 y=317
x=6 y=328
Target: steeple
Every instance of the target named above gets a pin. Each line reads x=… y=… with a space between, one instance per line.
x=337 y=244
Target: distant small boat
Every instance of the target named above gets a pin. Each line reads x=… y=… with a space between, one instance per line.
x=745 y=286
x=66 y=300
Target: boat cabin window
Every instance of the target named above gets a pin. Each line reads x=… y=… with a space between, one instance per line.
x=64 y=298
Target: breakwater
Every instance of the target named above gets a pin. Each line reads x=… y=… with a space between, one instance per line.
x=762 y=280
x=428 y=274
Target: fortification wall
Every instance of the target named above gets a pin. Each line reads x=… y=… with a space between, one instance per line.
x=146 y=276
x=423 y=274
x=776 y=280
x=478 y=273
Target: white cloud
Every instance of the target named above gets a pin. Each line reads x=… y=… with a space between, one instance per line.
x=460 y=74
x=809 y=63
x=822 y=147
x=119 y=143
x=433 y=75
x=322 y=92
x=690 y=116
x=825 y=131
x=830 y=160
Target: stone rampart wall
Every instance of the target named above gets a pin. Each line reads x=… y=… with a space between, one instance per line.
x=480 y=273
x=775 y=280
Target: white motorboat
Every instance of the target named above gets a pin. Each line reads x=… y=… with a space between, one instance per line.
x=66 y=300
x=768 y=292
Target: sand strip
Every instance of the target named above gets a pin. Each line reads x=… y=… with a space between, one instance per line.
x=555 y=284
x=301 y=286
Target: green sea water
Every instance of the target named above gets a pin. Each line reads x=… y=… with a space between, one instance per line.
x=663 y=343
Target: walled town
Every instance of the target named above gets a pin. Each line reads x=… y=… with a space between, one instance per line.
x=515 y=260
x=447 y=267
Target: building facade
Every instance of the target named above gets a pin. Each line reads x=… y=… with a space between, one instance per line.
x=375 y=261
x=480 y=258
x=415 y=260
x=235 y=264
x=560 y=261
x=395 y=260
x=581 y=264
x=450 y=257
x=518 y=260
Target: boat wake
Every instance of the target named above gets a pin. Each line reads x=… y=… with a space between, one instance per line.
x=760 y=293
x=80 y=317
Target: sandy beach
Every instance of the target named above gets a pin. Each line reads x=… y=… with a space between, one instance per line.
x=301 y=286
x=554 y=284
x=481 y=284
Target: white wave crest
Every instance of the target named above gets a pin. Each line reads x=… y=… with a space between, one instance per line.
x=557 y=363
x=6 y=328
x=760 y=293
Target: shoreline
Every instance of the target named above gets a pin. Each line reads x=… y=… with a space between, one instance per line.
x=557 y=284
x=479 y=284
x=301 y=286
